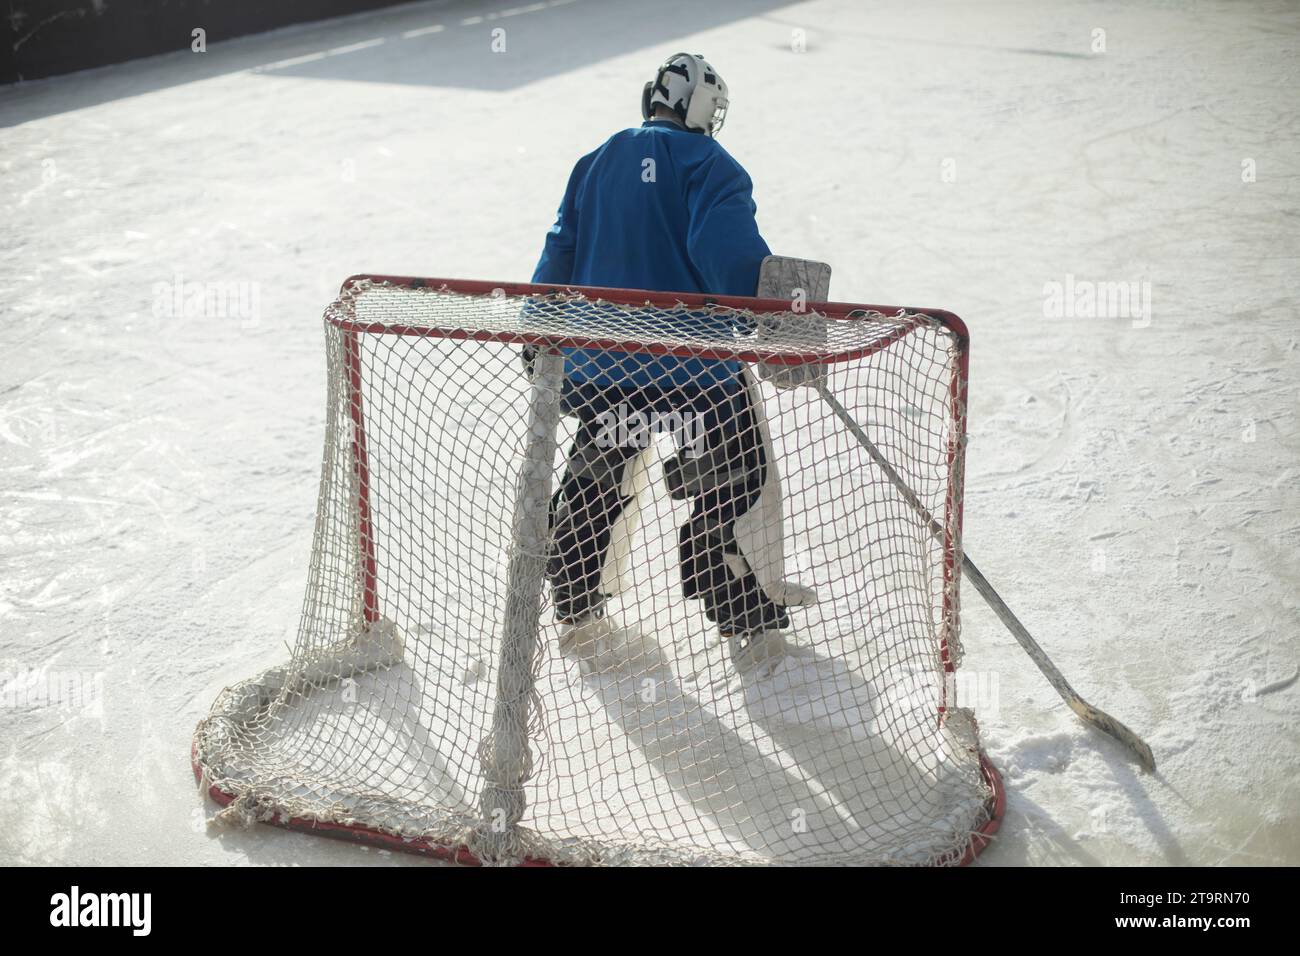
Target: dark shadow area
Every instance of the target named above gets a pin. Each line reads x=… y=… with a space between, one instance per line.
x=42 y=38
x=856 y=793
x=445 y=44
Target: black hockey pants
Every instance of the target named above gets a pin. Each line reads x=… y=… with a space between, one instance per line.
x=719 y=465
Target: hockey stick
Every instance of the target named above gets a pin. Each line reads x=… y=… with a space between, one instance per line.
x=1087 y=713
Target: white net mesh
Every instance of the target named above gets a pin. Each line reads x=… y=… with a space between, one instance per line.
x=627 y=601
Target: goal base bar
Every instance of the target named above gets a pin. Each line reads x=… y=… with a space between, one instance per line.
x=462 y=856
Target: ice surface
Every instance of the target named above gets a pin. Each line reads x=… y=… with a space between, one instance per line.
x=1131 y=482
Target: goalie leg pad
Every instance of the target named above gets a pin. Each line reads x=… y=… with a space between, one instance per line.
x=715 y=573
x=760 y=530
x=585 y=511
x=726 y=481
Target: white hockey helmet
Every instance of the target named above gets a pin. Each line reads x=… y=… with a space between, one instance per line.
x=692 y=89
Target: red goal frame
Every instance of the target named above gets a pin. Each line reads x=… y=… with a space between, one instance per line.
x=353 y=329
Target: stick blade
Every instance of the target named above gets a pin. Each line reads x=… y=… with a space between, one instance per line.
x=1114 y=728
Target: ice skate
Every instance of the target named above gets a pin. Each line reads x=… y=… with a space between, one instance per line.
x=599 y=643
x=758 y=651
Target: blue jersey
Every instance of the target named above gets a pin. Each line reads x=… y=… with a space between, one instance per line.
x=659 y=208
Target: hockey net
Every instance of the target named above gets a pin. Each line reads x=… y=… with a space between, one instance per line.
x=429 y=703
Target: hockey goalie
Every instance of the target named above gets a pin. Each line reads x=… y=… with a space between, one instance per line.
x=666 y=207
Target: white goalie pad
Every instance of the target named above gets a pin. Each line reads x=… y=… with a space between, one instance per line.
x=760 y=531
x=614 y=576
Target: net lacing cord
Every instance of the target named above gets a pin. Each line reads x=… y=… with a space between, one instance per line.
x=242 y=747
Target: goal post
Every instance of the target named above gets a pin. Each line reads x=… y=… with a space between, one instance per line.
x=426 y=705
